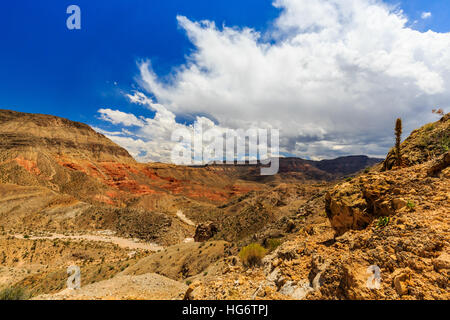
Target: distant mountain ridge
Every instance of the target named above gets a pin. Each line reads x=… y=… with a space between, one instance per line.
x=322 y=169
x=346 y=165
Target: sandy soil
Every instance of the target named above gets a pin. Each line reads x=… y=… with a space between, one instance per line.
x=124 y=287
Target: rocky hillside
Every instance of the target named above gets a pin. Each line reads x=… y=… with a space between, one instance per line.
x=423 y=144
x=386 y=235
x=29 y=134
x=423 y=175
x=162 y=231
x=69 y=157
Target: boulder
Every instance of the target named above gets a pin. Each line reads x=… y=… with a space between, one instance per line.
x=401 y=279
x=354 y=205
x=442 y=262
x=346 y=208
x=297 y=290
x=205 y=231
x=399 y=203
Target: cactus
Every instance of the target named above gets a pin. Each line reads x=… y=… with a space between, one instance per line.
x=398 y=138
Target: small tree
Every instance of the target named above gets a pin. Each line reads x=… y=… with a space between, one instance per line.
x=398 y=139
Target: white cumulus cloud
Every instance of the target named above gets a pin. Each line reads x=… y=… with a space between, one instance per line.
x=426 y=15
x=332 y=75
x=119 y=117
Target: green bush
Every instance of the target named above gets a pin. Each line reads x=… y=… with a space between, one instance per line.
x=252 y=254
x=14 y=293
x=272 y=244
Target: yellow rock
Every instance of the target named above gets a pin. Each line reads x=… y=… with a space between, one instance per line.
x=401 y=279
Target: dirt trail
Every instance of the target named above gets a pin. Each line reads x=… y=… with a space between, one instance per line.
x=185 y=219
x=121 y=242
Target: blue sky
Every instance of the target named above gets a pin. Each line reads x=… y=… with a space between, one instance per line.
x=440 y=10
x=46 y=68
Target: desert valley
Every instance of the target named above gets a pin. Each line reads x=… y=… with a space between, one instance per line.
x=69 y=196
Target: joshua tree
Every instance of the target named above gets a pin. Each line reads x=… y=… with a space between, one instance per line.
x=398 y=138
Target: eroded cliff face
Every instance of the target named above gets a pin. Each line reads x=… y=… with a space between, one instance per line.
x=29 y=134
x=71 y=158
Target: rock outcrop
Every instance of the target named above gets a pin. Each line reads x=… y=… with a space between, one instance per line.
x=354 y=204
x=205 y=231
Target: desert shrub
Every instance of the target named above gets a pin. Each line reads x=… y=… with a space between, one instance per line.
x=429 y=127
x=252 y=254
x=14 y=293
x=272 y=244
x=383 y=222
x=445 y=143
x=410 y=205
